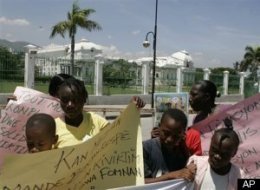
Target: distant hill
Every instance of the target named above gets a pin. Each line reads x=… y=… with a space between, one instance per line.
x=15 y=46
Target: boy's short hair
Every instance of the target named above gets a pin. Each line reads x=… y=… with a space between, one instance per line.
x=177 y=115
x=42 y=118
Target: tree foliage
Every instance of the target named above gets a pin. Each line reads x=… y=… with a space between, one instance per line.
x=77 y=17
x=237 y=66
x=119 y=73
x=11 y=64
x=199 y=70
x=251 y=60
x=220 y=70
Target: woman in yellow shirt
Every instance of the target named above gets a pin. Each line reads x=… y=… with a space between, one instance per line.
x=76 y=124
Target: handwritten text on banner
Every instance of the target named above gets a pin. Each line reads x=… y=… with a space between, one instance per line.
x=113 y=158
x=245 y=117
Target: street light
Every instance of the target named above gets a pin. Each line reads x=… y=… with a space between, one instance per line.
x=146 y=44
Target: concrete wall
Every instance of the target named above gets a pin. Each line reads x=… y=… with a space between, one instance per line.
x=3 y=97
x=115 y=99
x=124 y=99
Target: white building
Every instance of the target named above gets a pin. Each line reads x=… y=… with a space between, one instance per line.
x=54 y=59
x=166 y=66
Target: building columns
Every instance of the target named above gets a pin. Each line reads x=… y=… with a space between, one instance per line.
x=241 y=83
x=179 y=79
x=30 y=58
x=145 y=77
x=206 y=74
x=258 y=78
x=225 y=83
x=98 y=79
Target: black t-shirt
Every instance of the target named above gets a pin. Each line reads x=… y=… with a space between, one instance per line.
x=174 y=160
x=158 y=160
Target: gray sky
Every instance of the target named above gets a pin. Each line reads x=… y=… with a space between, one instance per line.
x=214 y=32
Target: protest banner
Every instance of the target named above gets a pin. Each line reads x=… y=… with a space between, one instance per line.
x=164 y=101
x=245 y=117
x=176 y=184
x=112 y=158
x=15 y=115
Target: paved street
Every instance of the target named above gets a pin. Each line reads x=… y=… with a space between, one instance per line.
x=146 y=122
x=146 y=126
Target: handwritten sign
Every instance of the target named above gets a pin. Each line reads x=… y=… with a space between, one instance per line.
x=15 y=115
x=175 y=184
x=112 y=158
x=245 y=117
x=165 y=101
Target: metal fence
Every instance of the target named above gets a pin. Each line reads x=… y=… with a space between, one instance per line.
x=127 y=81
x=120 y=80
x=47 y=67
x=189 y=78
x=251 y=88
x=165 y=80
x=233 y=84
x=218 y=80
x=11 y=70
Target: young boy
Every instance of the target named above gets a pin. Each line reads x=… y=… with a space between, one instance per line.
x=216 y=171
x=165 y=157
x=40 y=133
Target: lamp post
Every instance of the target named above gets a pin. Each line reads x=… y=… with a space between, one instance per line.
x=146 y=44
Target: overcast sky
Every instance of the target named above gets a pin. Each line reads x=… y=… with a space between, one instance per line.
x=214 y=32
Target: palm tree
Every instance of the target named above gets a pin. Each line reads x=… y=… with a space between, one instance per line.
x=251 y=60
x=76 y=18
x=237 y=65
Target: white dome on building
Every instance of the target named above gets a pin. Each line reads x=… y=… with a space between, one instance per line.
x=85 y=44
x=181 y=57
x=83 y=49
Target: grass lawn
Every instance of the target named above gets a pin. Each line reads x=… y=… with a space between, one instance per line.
x=43 y=87
x=9 y=86
x=118 y=90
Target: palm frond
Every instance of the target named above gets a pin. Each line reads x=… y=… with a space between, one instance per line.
x=69 y=16
x=90 y=25
x=75 y=7
x=80 y=18
x=76 y=18
x=60 y=28
x=86 y=12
